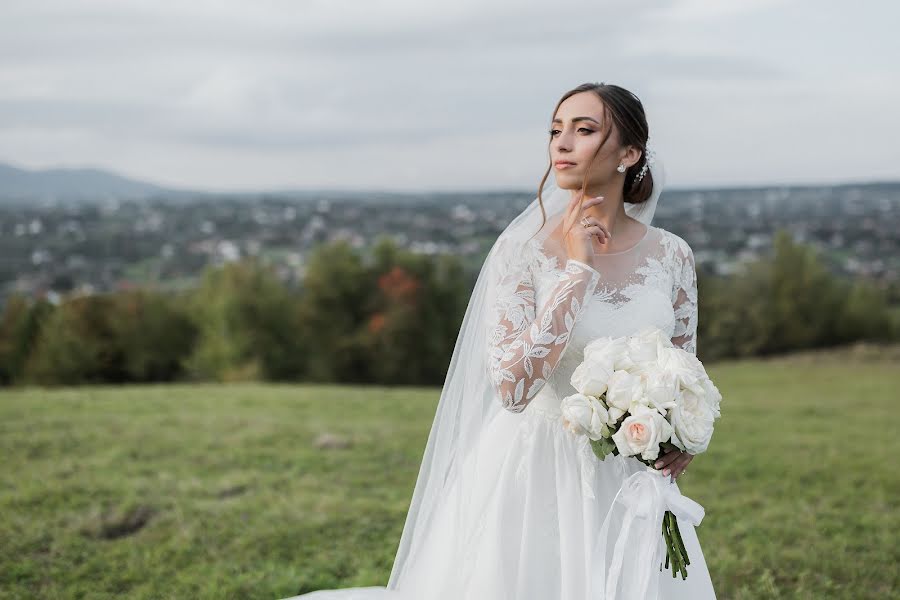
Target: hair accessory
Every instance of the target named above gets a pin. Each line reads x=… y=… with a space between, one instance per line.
x=650 y=159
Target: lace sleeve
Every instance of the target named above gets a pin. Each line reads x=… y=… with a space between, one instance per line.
x=684 y=299
x=527 y=342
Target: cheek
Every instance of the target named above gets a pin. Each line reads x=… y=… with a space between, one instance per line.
x=602 y=157
x=586 y=154
x=586 y=150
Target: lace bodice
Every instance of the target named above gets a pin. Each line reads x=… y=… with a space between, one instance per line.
x=548 y=310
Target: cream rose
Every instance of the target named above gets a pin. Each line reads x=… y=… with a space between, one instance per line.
x=642 y=432
x=585 y=415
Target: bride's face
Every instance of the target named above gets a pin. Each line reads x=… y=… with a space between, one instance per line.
x=575 y=135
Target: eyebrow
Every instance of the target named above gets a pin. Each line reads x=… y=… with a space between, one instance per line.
x=576 y=119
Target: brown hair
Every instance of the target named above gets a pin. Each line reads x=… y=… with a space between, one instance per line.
x=623 y=110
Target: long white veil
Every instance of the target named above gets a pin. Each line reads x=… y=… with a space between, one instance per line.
x=468 y=401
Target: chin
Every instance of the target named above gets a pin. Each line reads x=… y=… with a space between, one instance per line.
x=567 y=182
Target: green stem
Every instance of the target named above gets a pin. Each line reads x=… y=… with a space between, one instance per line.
x=677 y=534
x=668 y=538
x=665 y=534
x=682 y=551
x=670 y=543
x=673 y=549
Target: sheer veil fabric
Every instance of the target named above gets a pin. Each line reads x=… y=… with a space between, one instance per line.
x=467 y=508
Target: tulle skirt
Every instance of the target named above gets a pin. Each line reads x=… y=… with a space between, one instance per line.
x=542 y=496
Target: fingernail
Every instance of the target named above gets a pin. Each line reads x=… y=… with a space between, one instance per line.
x=665 y=472
x=658 y=464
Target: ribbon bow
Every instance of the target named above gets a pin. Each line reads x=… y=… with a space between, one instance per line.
x=646 y=496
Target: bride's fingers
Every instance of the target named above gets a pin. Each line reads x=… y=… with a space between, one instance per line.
x=681 y=464
x=599 y=232
x=595 y=222
x=579 y=202
x=586 y=204
x=571 y=215
x=591 y=202
x=572 y=208
x=577 y=205
x=667 y=458
x=576 y=198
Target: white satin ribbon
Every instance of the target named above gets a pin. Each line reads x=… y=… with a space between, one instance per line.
x=646 y=496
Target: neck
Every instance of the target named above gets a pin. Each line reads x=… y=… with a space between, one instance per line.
x=611 y=212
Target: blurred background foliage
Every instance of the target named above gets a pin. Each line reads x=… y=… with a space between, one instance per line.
x=392 y=318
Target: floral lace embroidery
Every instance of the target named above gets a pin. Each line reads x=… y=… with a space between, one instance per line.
x=654 y=273
x=670 y=271
x=526 y=342
x=684 y=295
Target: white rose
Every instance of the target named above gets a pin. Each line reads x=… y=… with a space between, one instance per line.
x=610 y=350
x=692 y=419
x=681 y=363
x=642 y=433
x=713 y=397
x=585 y=415
x=591 y=376
x=645 y=345
x=623 y=392
x=654 y=336
x=660 y=389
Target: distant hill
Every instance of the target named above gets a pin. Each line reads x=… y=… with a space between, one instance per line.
x=17 y=185
x=90 y=185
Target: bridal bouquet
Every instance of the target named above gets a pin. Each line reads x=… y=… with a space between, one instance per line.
x=640 y=396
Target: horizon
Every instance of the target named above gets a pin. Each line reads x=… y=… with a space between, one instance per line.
x=499 y=190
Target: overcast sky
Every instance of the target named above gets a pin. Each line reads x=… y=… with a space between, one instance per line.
x=414 y=95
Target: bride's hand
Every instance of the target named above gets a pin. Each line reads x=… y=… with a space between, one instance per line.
x=674 y=461
x=578 y=238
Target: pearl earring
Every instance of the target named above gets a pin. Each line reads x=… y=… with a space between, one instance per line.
x=620 y=168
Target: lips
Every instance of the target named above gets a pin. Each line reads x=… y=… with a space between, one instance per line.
x=562 y=164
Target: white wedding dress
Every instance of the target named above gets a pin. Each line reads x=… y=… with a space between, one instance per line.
x=542 y=494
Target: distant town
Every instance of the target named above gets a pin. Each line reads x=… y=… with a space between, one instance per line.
x=53 y=243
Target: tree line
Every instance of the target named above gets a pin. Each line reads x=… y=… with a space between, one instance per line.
x=391 y=319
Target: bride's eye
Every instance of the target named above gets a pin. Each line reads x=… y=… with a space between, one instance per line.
x=555 y=131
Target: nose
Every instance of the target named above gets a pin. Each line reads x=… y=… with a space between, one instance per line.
x=563 y=142
x=562 y=145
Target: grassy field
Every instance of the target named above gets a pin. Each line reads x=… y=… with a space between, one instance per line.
x=220 y=491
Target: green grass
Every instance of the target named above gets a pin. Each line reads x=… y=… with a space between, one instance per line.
x=218 y=491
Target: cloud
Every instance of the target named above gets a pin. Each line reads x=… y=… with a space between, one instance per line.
x=319 y=93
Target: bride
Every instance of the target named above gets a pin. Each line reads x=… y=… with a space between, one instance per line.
x=508 y=504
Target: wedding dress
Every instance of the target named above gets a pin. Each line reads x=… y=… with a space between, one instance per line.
x=520 y=498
